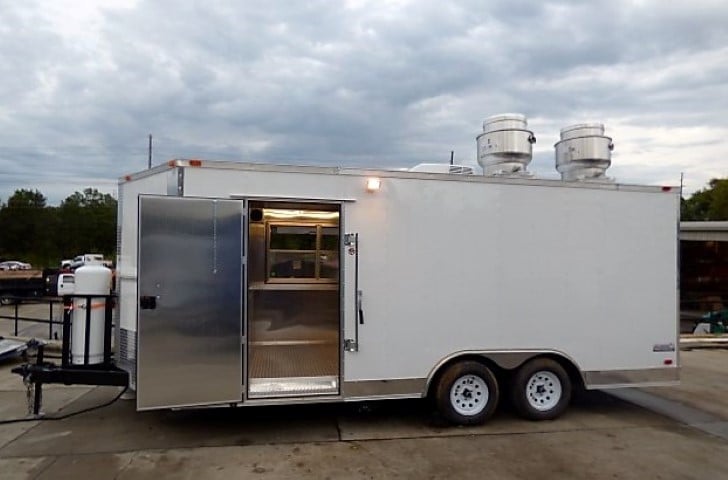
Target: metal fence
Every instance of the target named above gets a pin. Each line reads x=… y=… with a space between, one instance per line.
x=16 y=317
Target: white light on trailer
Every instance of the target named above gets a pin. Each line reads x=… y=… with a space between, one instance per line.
x=373 y=184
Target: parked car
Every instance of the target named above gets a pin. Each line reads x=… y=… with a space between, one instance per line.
x=15 y=265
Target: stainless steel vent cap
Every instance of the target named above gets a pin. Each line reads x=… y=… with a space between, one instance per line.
x=506 y=145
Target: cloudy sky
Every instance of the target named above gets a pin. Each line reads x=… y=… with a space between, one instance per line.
x=380 y=84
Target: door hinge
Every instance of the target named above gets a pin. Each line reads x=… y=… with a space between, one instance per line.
x=351 y=345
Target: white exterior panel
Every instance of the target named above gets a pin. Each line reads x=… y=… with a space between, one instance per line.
x=453 y=265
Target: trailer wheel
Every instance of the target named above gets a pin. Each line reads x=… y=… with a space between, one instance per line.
x=6 y=299
x=467 y=393
x=541 y=389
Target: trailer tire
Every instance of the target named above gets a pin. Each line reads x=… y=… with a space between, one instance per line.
x=467 y=393
x=6 y=299
x=541 y=389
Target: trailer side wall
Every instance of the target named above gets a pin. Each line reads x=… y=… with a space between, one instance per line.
x=451 y=266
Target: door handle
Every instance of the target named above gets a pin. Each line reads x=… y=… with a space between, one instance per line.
x=359 y=307
x=147 y=302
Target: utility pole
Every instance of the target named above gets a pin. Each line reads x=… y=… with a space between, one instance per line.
x=682 y=176
x=452 y=156
x=150 y=151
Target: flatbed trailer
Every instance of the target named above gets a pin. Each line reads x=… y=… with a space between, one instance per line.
x=16 y=284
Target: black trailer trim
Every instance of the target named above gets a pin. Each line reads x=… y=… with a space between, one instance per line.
x=70 y=372
x=49 y=373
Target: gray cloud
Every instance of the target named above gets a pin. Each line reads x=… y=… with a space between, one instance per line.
x=384 y=84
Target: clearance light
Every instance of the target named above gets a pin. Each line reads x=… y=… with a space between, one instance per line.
x=373 y=184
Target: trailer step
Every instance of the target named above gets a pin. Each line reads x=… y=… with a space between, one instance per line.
x=293 y=387
x=292 y=370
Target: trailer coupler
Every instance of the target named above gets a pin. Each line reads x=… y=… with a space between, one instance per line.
x=36 y=374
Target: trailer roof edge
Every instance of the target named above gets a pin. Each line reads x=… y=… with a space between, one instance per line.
x=149 y=172
x=383 y=173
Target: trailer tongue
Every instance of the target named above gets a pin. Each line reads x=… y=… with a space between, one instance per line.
x=86 y=353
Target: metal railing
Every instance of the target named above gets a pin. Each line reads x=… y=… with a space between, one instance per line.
x=16 y=318
x=76 y=367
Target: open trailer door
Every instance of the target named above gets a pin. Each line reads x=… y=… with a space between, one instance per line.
x=294 y=314
x=190 y=302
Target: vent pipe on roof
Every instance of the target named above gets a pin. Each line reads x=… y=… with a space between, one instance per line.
x=584 y=153
x=506 y=145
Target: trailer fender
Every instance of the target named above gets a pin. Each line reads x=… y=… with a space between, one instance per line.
x=504 y=361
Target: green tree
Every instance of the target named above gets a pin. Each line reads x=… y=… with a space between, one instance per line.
x=88 y=223
x=708 y=204
x=718 y=209
x=27 y=228
x=34 y=232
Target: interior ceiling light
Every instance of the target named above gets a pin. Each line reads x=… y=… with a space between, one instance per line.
x=300 y=214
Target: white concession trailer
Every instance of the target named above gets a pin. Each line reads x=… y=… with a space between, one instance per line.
x=247 y=284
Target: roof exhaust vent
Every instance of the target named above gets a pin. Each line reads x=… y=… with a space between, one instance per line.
x=584 y=153
x=506 y=145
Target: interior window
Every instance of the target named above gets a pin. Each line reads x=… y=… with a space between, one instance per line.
x=299 y=252
x=283 y=237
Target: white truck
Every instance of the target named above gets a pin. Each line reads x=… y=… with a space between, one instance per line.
x=85 y=259
x=247 y=284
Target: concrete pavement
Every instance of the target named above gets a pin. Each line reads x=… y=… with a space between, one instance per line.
x=599 y=437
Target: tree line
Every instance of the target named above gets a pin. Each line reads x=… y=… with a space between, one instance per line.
x=32 y=231
x=710 y=203
x=85 y=222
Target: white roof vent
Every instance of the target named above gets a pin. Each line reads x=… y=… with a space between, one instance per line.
x=442 y=168
x=584 y=153
x=506 y=145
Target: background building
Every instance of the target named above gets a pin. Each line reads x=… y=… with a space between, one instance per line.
x=703 y=270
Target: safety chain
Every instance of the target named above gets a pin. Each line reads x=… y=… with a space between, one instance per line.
x=29 y=394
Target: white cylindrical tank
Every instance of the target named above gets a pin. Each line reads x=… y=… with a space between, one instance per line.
x=584 y=153
x=92 y=279
x=506 y=145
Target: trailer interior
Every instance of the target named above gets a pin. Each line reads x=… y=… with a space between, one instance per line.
x=293 y=313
